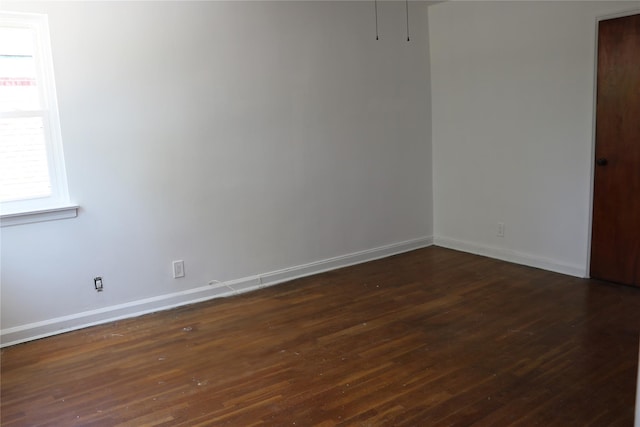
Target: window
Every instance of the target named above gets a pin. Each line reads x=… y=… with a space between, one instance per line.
x=32 y=173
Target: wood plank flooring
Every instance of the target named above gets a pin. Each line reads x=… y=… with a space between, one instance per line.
x=432 y=337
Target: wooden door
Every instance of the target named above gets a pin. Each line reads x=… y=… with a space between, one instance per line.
x=615 y=243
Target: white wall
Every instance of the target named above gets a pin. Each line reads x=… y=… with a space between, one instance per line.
x=512 y=110
x=241 y=137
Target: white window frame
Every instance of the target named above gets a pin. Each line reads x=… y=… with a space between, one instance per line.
x=57 y=205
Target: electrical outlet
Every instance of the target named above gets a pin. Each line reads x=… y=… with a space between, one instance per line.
x=178 y=269
x=501 y=229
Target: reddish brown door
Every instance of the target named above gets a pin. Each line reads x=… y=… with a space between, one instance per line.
x=615 y=244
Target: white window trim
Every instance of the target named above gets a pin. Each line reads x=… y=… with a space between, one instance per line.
x=7 y=220
x=58 y=205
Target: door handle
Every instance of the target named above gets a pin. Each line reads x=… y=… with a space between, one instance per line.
x=602 y=161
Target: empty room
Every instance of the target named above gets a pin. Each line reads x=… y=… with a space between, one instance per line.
x=319 y=213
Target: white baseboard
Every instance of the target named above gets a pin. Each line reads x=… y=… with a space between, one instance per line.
x=637 y=422
x=512 y=256
x=36 y=330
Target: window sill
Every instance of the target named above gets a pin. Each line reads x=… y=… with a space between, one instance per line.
x=40 y=215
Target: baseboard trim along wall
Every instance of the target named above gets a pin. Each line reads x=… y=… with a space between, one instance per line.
x=511 y=256
x=637 y=422
x=214 y=289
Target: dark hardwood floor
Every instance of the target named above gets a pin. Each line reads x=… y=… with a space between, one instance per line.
x=433 y=337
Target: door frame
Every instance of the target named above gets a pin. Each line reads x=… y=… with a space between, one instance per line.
x=592 y=168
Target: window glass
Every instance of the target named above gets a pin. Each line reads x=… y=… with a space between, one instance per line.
x=24 y=170
x=32 y=172
x=18 y=82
